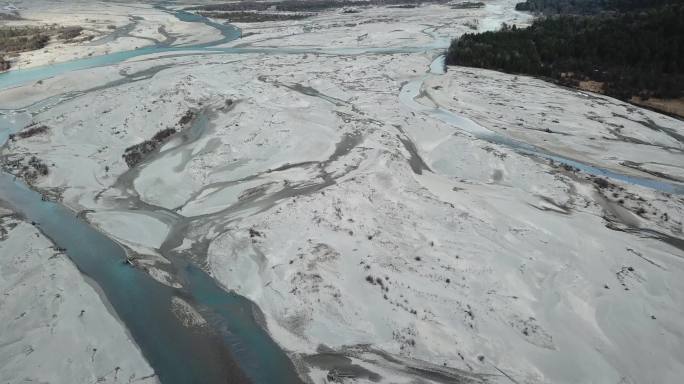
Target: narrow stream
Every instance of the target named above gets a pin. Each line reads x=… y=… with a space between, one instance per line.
x=411 y=90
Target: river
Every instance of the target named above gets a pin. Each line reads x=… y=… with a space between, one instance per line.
x=232 y=347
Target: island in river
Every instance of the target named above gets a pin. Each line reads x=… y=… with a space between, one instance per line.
x=335 y=207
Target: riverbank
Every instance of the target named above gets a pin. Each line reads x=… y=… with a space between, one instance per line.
x=45 y=303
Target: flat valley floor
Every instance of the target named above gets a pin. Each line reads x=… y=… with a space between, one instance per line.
x=407 y=223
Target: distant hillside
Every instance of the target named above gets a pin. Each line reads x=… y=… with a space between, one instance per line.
x=625 y=55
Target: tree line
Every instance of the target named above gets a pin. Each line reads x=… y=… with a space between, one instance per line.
x=18 y=39
x=588 y=7
x=632 y=54
x=29 y=38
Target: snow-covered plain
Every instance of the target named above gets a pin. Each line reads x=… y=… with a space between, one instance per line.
x=54 y=328
x=375 y=237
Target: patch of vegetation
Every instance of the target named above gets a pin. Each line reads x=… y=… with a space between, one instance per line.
x=255 y=17
x=29 y=131
x=186 y=118
x=254 y=233
x=305 y=5
x=29 y=171
x=630 y=54
x=20 y=39
x=4 y=64
x=68 y=33
x=468 y=5
x=39 y=167
x=30 y=38
x=136 y=153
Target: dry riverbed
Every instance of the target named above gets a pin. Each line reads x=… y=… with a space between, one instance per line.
x=379 y=241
